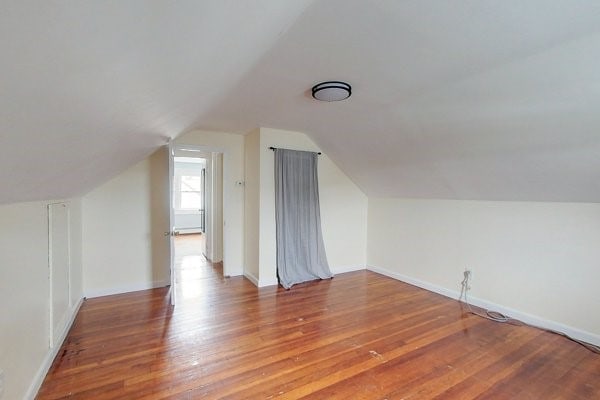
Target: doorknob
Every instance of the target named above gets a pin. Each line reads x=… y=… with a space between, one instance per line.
x=167 y=233
x=171 y=233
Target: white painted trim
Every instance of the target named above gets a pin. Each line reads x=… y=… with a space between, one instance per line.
x=183 y=231
x=206 y=151
x=50 y=277
x=236 y=271
x=171 y=170
x=415 y=282
x=201 y=151
x=38 y=379
x=261 y=282
x=52 y=336
x=126 y=289
x=272 y=281
x=251 y=278
x=347 y=268
x=187 y=212
x=533 y=320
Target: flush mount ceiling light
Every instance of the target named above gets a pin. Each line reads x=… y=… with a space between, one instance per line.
x=331 y=91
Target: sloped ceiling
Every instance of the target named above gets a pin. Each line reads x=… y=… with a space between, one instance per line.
x=494 y=100
x=89 y=88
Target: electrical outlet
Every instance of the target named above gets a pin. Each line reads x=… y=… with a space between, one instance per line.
x=1 y=383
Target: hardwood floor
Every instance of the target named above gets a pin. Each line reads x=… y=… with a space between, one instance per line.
x=358 y=336
x=193 y=273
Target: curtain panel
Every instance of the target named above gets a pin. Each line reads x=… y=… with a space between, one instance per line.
x=300 y=249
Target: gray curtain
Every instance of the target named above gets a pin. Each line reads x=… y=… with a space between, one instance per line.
x=300 y=250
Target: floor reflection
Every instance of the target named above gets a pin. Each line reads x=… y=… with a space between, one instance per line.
x=194 y=274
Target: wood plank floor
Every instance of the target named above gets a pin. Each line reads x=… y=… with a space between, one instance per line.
x=358 y=336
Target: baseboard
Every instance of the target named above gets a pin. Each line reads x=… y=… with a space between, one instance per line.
x=233 y=271
x=344 y=269
x=38 y=379
x=126 y=289
x=251 y=278
x=260 y=282
x=272 y=281
x=534 y=320
x=416 y=282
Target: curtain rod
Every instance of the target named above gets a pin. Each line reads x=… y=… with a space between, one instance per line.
x=275 y=148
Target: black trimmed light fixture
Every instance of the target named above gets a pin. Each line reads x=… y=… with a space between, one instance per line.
x=331 y=91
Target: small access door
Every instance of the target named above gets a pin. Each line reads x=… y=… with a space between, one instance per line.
x=59 y=269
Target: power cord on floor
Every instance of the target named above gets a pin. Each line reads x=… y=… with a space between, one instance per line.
x=491 y=315
x=499 y=317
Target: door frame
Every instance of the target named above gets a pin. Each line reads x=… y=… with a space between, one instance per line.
x=174 y=146
x=54 y=329
x=171 y=233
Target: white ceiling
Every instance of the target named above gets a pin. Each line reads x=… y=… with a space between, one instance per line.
x=456 y=99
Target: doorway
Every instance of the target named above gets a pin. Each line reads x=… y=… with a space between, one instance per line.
x=196 y=209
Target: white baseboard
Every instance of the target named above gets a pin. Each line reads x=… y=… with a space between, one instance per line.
x=38 y=379
x=416 y=282
x=260 y=282
x=350 y=268
x=534 y=320
x=251 y=278
x=233 y=271
x=125 y=289
x=273 y=281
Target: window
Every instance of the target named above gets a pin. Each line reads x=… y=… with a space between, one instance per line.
x=187 y=191
x=191 y=192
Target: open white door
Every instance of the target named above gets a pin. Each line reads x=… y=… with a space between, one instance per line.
x=171 y=231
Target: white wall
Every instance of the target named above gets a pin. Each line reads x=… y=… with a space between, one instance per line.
x=124 y=219
x=232 y=147
x=124 y=248
x=537 y=261
x=24 y=292
x=343 y=208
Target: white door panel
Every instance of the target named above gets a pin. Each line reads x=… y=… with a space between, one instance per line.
x=171 y=231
